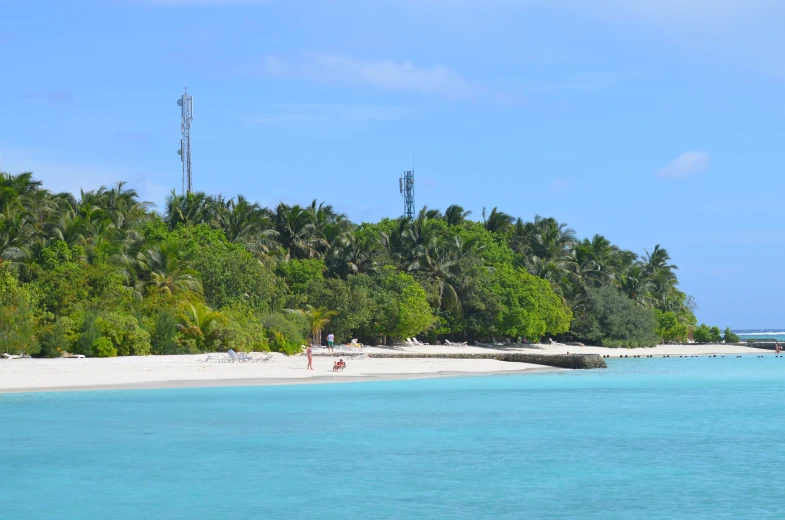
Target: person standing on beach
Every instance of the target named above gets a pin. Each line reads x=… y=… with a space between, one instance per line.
x=330 y=342
x=777 y=348
x=310 y=358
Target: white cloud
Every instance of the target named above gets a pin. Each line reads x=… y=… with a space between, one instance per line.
x=382 y=74
x=688 y=163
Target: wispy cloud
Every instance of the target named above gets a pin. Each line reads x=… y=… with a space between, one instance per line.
x=685 y=165
x=54 y=97
x=331 y=113
x=382 y=74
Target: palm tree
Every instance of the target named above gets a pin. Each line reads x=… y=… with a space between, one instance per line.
x=354 y=253
x=162 y=270
x=636 y=284
x=455 y=215
x=497 y=221
x=200 y=322
x=191 y=209
x=317 y=318
x=297 y=232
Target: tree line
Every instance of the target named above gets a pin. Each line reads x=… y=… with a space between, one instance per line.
x=103 y=274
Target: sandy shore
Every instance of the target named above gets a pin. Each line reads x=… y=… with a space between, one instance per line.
x=35 y=375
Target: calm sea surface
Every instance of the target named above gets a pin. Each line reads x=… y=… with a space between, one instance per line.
x=648 y=438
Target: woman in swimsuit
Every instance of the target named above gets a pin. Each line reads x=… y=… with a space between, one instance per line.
x=310 y=358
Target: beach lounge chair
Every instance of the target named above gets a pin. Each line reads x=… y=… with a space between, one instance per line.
x=236 y=357
x=264 y=358
x=218 y=357
x=420 y=343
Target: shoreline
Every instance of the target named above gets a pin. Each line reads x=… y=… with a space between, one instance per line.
x=395 y=363
x=257 y=382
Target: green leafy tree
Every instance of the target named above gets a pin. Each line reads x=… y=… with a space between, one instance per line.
x=715 y=335
x=669 y=328
x=19 y=319
x=200 y=324
x=529 y=307
x=126 y=334
x=613 y=320
x=242 y=330
x=316 y=318
x=730 y=337
x=702 y=334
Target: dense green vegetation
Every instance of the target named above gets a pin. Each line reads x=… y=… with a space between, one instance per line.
x=104 y=275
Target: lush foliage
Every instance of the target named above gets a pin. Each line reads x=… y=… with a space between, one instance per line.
x=104 y=275
x=613 y=320
x=730 y=337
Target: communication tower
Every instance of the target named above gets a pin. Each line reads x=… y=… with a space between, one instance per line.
x=406 y=186
x=186 y=103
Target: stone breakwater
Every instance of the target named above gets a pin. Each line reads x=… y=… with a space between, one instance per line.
x=573 y=361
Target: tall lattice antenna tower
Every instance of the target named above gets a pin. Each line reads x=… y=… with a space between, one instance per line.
x=187 y=105
x=406 y=185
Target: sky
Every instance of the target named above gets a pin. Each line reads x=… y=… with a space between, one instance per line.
x=649 y=122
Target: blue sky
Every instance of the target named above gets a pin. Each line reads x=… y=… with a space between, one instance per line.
x=648 y=122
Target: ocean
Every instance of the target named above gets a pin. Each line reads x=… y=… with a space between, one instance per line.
x=668 y=438
x=767 y=334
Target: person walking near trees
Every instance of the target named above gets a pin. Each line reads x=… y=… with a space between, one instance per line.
x=330 y=342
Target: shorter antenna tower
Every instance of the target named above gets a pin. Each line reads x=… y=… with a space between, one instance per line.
x=186 y=103
x=406 y=186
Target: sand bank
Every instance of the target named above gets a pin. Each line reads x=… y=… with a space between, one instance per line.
x=28 y=375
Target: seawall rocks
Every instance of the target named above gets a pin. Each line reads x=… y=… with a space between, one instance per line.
x=573 y=361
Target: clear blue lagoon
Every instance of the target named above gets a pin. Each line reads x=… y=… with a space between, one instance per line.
x=648 y=438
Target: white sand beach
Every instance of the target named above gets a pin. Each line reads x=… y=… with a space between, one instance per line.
x=29 y=375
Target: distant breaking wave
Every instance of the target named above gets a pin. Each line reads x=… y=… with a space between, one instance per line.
x=759 y=333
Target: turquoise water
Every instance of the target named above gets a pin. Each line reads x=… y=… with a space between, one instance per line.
x=647 y=438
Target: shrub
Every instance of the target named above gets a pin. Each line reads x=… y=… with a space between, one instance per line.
x=669 y=328
x=59 y=337
x=19 y=322
x=163 y=333
x=714 y=332
x=103 y=348
x=87 y=332
x=611 y=319
x=730 y=337
x=242 y=330
x=285 y=332
x=702 y=334
x=123 y=330
x=280 y=343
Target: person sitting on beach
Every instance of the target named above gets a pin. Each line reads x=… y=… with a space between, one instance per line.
x=336 y=366
x=341 y=364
